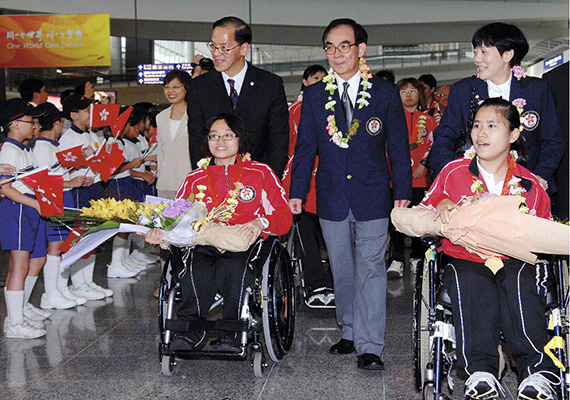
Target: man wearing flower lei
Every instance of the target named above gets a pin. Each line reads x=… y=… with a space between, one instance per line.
x=495 y=295
x=498 y=51
x=227 y=175
x=352 y=120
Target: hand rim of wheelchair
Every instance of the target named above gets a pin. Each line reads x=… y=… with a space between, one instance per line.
x=294 y=243
x=279 y=306
x=420 y=319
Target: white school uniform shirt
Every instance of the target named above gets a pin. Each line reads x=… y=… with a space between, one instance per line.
x=74 y=137
x=44 y=151
x=21 y=157
x=132 y=151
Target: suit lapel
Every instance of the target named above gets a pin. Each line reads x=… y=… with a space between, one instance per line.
x=515 y=92
x=219 y=91
x=248 y=87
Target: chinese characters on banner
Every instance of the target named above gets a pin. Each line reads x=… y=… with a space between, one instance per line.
x=29 y=41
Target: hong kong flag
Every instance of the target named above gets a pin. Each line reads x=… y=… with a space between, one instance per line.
x=49 y=192
x=107 y=164
x=153 y=138
x=104 y=114
x=71 y=158
x=117 y=128
x=68 y=243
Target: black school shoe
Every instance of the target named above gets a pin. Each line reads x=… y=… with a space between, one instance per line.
x=370 y=361
x=343 y=346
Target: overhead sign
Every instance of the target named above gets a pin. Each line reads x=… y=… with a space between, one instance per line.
x=153 y=74
x=553 y=62
x=30 y=41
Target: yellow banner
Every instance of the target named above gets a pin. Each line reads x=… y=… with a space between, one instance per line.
x=30 y=41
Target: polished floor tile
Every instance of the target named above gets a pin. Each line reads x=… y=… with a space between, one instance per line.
x=108 y=350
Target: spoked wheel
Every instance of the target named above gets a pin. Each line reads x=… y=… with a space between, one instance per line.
x=420 y=328
x=295 y=249
x=168 y=365
x=278 y=302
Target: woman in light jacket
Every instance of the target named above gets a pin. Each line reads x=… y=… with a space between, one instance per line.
x=172 y=138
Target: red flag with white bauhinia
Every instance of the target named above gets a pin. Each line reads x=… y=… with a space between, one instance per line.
x=72 y=158
x=107 y=164
x=104 y=115
x=68 y=243
x=49 y=192
x=117 y=128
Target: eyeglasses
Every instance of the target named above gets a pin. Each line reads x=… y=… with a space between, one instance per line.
x=442 y=94
x=410 y=91
x=343 y=48
x=27 y=122
x=222 y=49
x=226 y=137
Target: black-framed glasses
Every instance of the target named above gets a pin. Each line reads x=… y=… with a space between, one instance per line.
x=27 y=122
x=226 y=137
x=343 y=48
x=222 y=49
x=442 y=94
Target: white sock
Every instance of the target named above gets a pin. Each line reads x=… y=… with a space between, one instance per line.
x=119 y=248
x=62 y=278
x=14 y=306
x=76 y=272
x=51 y=272
x=89 y=268
x=29 y=284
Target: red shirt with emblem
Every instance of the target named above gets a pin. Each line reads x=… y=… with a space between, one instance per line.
x=420 y=125
x=454 y=182
x=262 y=195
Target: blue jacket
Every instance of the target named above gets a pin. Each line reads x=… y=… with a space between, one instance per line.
x=356 y=178
x=541 y=129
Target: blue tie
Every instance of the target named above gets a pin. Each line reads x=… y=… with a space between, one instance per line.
x=233 y=93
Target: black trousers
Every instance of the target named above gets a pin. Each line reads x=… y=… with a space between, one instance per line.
x=316 y=276
x=208 y=271
x=484 y=305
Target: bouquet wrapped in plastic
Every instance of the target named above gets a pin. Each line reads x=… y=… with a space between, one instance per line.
x=490 y=227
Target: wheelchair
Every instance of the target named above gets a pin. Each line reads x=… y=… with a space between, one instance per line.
x=433 y=333
x=267 y=315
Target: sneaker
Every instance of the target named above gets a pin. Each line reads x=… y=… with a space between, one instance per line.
x=396 y=270
x=414 y=263
x=134 y=264
x=536 y=387
x=30 y=310
x=108 y=292
x=319 y=298
x=88 y=292
x=483 y=386
x=56 y=300
x=33 y=323
x=23 y=330
x=78 y=299
x=144 y=257
x=120 y=271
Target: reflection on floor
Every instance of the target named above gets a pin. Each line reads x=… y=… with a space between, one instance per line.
x=107 y=349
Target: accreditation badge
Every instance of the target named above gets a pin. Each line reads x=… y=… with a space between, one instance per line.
x=246 y=194
x=530 y=120
x=374 y=126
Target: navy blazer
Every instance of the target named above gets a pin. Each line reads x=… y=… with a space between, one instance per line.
x=262 y=105
x=543 y=139
x=356 y=178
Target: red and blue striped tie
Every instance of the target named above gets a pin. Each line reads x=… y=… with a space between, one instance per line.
x=233 y=93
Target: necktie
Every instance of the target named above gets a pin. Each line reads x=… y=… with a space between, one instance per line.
x=346 y=104
x=233 y=93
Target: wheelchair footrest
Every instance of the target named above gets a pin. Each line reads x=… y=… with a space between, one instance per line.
x=178 y=325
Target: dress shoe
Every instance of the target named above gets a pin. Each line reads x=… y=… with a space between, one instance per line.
x=343 y=346
x=370 y=361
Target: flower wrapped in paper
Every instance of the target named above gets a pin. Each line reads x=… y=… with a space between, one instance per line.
x=490 y=227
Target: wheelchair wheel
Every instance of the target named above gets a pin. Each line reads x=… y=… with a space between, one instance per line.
x=258 y=364
x=168 y=364
x=278 y=311
x=420 y=328
x=295 y=249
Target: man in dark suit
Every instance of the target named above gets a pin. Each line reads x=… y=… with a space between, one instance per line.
x=352 y=120
x=237 y=87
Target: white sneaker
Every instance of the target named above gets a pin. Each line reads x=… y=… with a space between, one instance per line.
x=134 y=264
x=34 y=323
x=88 y=292
x=78 y=299
x=120 y=271
x=23 y=330
x=93 y=285
x=536 y=386
x=396 y=270
x=56 y=300
x=483 y=386
x=414 y=263
x=32 y=312
x=145 y=257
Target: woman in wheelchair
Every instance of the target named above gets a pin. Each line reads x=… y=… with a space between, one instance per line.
x=512 y=301
x=262 y=210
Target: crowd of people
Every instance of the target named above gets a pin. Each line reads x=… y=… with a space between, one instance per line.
x=337 y=160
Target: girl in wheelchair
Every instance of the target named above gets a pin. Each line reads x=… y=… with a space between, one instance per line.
x=512 y=301
x=262 y=210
